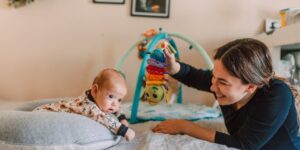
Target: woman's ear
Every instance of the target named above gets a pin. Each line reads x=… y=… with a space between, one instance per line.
x=94 y=90
x=252 y=88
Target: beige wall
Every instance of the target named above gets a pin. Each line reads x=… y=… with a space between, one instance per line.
x=53 y=48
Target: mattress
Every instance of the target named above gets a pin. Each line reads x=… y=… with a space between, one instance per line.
x=147 y=140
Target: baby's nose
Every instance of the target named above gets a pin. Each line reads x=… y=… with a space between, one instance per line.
x=114 y=103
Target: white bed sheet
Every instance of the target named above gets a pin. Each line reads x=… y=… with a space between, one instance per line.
x=147 y=140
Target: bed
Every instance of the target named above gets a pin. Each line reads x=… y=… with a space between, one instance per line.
x=145 y=139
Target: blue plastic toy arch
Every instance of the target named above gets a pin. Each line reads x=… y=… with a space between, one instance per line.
x=151 y=46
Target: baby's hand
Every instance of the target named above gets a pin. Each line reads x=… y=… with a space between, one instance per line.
x=125 y=122
x=129 y=135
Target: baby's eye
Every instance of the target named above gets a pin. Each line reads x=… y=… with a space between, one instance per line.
x=110 y=96
x=120 y=100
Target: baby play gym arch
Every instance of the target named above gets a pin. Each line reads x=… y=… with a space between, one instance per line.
x=151 y=46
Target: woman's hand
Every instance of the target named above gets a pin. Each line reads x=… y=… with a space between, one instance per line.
x=172 y=127
x=172 y=65
x=185 y=127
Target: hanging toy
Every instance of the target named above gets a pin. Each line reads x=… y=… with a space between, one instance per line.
x=142 y=47
x=150 y=33
x=155 y=79
x=158 y=55
x=154 y=94
x=165 y=45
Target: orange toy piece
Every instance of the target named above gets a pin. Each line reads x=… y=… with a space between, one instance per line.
x=150 y=33
x=141 y=48
x=155 y=77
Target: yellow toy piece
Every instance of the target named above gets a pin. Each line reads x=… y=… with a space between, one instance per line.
x=155 y=82
x=172 y=91
x=166 y=45
x=154 y=94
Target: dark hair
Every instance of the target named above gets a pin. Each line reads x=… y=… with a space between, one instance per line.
x=247 y=59
x=250 y=60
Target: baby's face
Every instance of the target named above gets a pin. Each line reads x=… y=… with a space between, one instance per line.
x=110 y=96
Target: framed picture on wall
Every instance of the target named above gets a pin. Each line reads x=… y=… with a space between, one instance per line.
x=150 y=8
x=110 y=1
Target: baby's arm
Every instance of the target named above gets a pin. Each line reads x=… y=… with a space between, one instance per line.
x=111 y=122
x=122 y=118
x=125 y=122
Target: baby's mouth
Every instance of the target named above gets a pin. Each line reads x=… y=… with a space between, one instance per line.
x=110 y=110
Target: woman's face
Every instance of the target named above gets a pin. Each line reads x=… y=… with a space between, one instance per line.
x=228 y=89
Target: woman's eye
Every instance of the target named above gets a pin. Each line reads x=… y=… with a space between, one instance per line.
x=223 y=83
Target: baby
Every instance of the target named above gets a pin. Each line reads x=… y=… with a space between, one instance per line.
x=100 y=103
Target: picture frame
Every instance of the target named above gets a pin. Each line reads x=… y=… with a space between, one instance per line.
x=150 y=8
x=110 y=1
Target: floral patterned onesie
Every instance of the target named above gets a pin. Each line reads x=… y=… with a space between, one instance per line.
x=84 y=105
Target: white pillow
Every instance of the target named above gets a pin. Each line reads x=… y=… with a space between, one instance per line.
x=28 y=130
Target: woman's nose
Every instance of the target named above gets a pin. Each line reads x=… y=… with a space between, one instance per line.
x=213 y=86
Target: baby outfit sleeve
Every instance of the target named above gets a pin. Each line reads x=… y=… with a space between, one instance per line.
x=120 y=116
x=108 y=120
x=71 y=106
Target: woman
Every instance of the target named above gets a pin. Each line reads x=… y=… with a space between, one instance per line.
x=258 y=109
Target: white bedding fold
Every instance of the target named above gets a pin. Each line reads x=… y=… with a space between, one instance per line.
x=147 y=140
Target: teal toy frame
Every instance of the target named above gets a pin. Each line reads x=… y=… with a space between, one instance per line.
x=151 y=46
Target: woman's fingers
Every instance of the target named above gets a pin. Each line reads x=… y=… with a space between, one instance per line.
x=167 y=52
x=170 y=61
x=169 y=55
x=157 y=128
x=166 y=127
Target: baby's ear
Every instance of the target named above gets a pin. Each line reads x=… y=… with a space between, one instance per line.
x=94 y=90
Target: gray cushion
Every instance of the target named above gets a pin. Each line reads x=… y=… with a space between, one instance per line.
x=43 y=130
x=29 y=106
